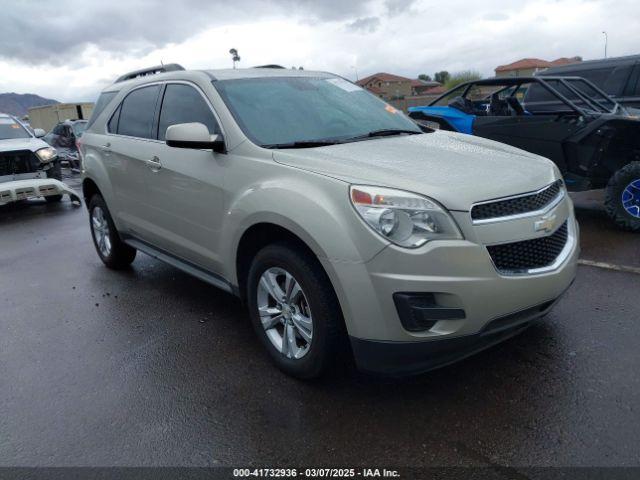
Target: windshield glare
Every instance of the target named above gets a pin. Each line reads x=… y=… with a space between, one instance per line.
x=9 y=129
x=284 y=110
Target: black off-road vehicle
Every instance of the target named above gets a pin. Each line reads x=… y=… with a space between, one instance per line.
x=594 y=140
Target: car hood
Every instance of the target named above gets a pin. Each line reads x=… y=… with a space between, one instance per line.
x=456 y=170
x=31 y=143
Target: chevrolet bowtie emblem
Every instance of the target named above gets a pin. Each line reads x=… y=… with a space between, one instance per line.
x=546 y=224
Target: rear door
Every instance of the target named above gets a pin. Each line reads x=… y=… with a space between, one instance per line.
x=184 y=187
x=539 y=134
x=128 y=146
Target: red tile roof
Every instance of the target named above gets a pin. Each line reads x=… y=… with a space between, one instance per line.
x=527 y=63
x=383 y=77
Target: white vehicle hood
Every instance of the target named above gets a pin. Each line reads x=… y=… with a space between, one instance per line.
x=14 y=144
x=454 y=169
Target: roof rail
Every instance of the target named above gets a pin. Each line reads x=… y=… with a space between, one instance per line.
x=171 y=67
x=268 y=66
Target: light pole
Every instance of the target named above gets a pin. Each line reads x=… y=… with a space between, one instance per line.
x=606 y=40
x=356 y=69
x=234 y=56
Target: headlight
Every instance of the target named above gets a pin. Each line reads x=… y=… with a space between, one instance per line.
x=404 y=218
x=46 y=154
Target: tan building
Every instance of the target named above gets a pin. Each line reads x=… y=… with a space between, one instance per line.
x=527 y=67
x=387 y=86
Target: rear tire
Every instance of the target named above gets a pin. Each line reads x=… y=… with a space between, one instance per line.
x=311 y=316
x=622 y=200
x=113 y=252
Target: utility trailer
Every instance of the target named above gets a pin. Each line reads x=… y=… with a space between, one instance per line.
x=48 y=116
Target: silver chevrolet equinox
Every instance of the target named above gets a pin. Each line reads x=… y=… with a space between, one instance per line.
x=344 y=227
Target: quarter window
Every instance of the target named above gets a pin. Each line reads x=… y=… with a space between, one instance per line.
x=103 y=100
x=184 y=104
x=112 y=126
x=137 y=111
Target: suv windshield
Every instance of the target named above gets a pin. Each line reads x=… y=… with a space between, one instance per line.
x=279 y=111
x=9 y=129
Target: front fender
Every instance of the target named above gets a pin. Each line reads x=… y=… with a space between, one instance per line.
x=313 y=207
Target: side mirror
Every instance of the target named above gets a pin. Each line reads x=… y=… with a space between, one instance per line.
x=39 y=133
x=193 y=135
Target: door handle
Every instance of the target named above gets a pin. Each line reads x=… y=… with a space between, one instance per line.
x=106 y=148
x=154 y=164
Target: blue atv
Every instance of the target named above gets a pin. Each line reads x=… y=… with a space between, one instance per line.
x=594 y=141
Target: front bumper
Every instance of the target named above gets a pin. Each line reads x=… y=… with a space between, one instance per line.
x=13 y=191
x=459 y=279
x=410 y=358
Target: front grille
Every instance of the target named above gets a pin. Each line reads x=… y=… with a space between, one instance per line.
x=517 y=205
x=22 y=161
x=518 y=257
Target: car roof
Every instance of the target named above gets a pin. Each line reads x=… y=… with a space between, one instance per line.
x=218 y=74
x=238 y=73
x=591 y=64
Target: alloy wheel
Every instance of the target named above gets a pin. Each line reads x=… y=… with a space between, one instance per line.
x=100 y=229
x=284 y=313
x=631 y=198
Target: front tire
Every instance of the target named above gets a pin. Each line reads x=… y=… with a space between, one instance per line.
x=113 y=252
x=294 y=310
x=622 y=199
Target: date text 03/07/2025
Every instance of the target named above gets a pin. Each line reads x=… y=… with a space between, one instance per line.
x=315 y=473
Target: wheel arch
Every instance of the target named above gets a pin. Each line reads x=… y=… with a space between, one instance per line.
x=89 y=189
x=258 y=236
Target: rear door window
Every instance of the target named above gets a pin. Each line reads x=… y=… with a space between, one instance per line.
x=137 y=112
x=184 y=104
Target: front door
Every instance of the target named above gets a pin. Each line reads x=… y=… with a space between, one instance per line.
x=185 y=186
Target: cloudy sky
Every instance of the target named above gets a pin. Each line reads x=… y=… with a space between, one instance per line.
x=69 y=49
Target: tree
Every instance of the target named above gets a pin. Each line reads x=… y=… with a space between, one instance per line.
x=441 y=77
x=462 y=77
x=424 y=77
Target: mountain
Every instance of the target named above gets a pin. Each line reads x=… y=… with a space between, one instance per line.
x=18 y=103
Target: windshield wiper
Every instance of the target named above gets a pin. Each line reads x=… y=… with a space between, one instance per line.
x=386 y=132
x=303 y=144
